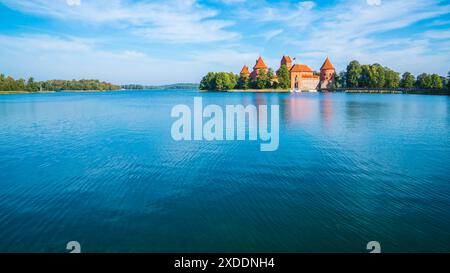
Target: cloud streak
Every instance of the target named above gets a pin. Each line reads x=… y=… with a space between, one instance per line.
x=177 y=21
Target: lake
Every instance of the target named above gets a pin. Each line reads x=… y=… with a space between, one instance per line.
x=102 y=169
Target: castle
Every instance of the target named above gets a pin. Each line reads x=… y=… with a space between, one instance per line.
x=302 y=77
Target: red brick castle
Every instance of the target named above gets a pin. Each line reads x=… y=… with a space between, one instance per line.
x=303 y=78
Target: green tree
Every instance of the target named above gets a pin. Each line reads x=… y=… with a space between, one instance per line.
x=392 y=78
x=10 y=84
x=408 y=80
x=262 y=79
x=341 y=79
x=244 y=82
x=377 y=76
x=207 y=82
x=284 y=78
x=2 y=82
x=436 y=81
x=20 y=85
x=32 y=85
x=220 y=82
x=424 y=81
x=365 y=76
x=270 y=77
x=448 y=80
x=232 y=81
x=353 y=74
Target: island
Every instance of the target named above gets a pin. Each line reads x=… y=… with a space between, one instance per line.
x=299 y=77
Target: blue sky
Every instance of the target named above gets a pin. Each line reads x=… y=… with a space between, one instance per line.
x=158 y=42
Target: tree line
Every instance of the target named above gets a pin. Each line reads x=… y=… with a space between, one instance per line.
x=30 y=85
x=377 y=76
x=222 y=81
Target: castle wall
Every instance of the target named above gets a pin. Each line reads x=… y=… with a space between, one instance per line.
x=304 y=81
x=310 y=83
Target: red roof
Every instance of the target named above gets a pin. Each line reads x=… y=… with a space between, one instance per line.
x=245 y=70
x=260 y=64
x=286 y=59
x=301 y=68
x=327 y=65
x=310 y=77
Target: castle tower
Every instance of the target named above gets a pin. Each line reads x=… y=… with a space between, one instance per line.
x=327 y=75
x=259 y=65
x=245 y=72
x=286 y=60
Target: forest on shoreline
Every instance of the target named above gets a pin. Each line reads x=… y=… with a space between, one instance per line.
x=8 y=83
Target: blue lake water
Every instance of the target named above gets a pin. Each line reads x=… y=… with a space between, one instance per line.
x=103 y=169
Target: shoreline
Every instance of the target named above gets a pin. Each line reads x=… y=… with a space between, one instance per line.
x=444 y=92
x=47 y=92
x=258 y=91
x=351 y=91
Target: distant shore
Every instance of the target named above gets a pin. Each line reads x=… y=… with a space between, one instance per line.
x=45 y=92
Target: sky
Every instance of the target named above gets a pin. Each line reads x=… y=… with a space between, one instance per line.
x=173 y=41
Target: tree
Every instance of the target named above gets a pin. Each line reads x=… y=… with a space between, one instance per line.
x=232 y=80
x=392 y=78
x=341 y=79
x=2 y=82
x=408 y=80
x=262 y=79
x=284 y=79
x=243 y=82
x=436 y=81
x=365 y=76
x=448 y=80
x=220 y=82
x=353 y=74
x=424 y=81
x=270 y=77
x=10 y=84
x=20 y=84
x=207 y=81
x=377 y=76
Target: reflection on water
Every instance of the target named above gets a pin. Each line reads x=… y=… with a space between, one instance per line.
x=102 y=169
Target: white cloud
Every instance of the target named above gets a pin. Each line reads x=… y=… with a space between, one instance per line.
x=181 y=21
x=437 y=34
x=73 y=2
x=45 y=43
x=133 y=54
x=373 y=2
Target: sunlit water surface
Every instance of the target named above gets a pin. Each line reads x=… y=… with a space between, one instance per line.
x=103 y=169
